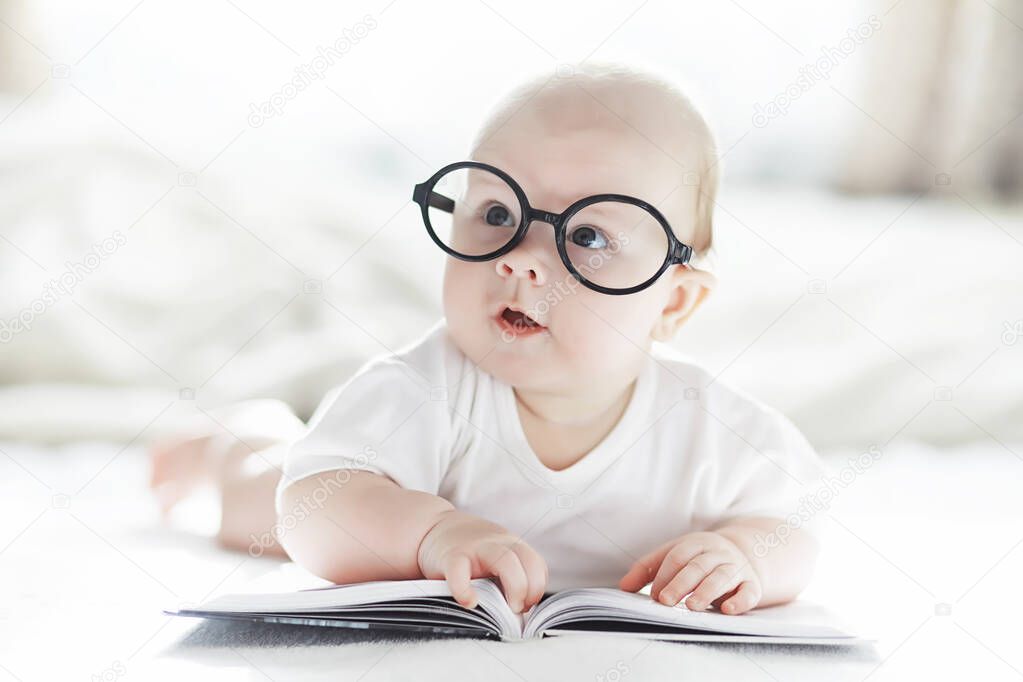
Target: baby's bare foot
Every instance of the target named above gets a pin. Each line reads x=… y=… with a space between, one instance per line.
x=179 y=466
x=215 y=453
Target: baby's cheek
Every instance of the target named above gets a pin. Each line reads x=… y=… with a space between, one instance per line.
x=626 y=320
x=453 y=276
x=463 y=306
x=599 y=333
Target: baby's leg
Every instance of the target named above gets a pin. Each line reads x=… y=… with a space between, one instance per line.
x=248 y=517
x=239 y=450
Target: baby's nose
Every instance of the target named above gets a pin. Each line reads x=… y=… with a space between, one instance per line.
x=520 y=263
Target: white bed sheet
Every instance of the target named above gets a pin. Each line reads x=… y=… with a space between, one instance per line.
x=86 y=566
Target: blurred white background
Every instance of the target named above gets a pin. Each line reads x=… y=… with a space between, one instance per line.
x=138 y=117
x=869 y=237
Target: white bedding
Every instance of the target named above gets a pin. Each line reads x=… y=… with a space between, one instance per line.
x=922 y=533
x=922 y=298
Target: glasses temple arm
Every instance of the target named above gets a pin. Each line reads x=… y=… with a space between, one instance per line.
x=433 y=199
x=681 y=253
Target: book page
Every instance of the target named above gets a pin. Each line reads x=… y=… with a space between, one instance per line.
x=398 y=601
x=604 y=607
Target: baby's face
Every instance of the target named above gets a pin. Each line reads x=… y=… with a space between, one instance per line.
x=583 y=340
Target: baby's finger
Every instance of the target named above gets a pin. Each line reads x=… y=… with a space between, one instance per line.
x=721 y=580
x=681 y=584
x=642 y=572
x=504 y=563
x=536 y=573
x=687 y=579
x=678 y=559
x=744 y=599
x=458 y=573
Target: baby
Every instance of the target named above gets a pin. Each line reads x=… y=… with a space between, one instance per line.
x=539 y=434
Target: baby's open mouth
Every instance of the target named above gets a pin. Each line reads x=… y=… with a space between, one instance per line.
x=518 y=323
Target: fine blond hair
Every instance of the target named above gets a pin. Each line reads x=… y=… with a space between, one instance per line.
x=622 y=89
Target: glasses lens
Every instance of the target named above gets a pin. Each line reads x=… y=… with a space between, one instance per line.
x=473 y=211
x=615 y=244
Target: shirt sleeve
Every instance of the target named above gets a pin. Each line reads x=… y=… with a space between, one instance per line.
x=389 y=419
x=777 y=475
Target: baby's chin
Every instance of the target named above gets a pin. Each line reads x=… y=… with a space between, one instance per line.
x=522 y=372
x=522 y=363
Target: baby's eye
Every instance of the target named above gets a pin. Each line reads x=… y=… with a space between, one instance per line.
x=588 y=237
x=498 y=216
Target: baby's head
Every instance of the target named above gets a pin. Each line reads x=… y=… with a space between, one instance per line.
x=522 y=317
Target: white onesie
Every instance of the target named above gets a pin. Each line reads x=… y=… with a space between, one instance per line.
x=687 y=453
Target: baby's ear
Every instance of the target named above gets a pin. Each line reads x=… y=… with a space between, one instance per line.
x=689 y=289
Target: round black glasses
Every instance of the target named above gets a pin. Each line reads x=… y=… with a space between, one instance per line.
x=611 y=243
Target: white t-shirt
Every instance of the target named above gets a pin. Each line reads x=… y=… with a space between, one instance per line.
x=677 y=461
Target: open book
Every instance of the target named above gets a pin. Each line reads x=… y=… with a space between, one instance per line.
x=427 y=606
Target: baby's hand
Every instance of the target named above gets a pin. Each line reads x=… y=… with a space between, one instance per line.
x=461 y=547
x=709 y=565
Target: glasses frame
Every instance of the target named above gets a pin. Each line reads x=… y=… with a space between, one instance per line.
x=678 y=253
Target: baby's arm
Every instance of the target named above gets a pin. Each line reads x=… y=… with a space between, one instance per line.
x=372 y=529
x=728 y=567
